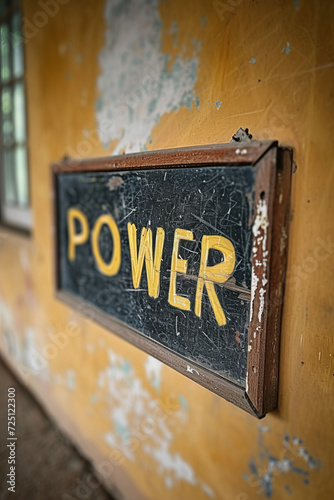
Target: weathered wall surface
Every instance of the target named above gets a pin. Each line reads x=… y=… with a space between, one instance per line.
x=114 y=76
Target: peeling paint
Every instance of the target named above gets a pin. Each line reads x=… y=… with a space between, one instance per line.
x=134 y=96
x=183 y=402
x=153 y=369
x=267 y=467
x=254 y=283
x=71 y=380
x=283 y=240
x=260 y=225
x=286 y=49
x=171 y=463
x=8 y=327
x=192 y=370
x=140 y=421
x=261 y=222
x=115 y=182
x=207 y=490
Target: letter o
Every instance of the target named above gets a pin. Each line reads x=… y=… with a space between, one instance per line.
x=310 y=264
x=84 y=148
x=149 y=426
x=50 y=351
x=92 y=481
x=105 y=469
x=113 y=267
x=40 y=19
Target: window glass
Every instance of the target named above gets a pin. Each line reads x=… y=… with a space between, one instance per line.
x=3 y=7
x=22 y=181
x=14 y=168
x=10 y=190
x=17 y=48
x=7 y=121
x=5 y=59
x=19 y=113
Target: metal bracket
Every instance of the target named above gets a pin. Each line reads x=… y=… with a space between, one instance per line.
x=241 y=135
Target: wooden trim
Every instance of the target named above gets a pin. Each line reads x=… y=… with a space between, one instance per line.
x=268 y=275
x=222 y=154
x=54 y=229
x=280 y=235
x=261 y=276
x=273 y=167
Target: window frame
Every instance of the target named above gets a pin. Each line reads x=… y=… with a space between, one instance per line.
x=12 y=214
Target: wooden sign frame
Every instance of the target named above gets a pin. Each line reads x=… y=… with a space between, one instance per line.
x=273 y=165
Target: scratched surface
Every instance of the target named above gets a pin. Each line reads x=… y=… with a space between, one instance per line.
x=206 y=201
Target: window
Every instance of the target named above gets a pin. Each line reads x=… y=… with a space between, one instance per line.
x=14 y=179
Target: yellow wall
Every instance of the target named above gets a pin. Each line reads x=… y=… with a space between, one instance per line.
x=271 y=65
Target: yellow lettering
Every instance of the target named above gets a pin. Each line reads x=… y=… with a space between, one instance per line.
x=178 y=266
x=74 y=238
x=145 y=251
x=218 y=273
x=113 y=267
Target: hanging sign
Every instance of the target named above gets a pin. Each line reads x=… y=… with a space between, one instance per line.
x=182 y=253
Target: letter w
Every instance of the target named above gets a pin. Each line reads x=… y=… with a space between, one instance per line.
x=145 y=251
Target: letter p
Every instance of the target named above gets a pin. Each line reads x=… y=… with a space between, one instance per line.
x=74 y=238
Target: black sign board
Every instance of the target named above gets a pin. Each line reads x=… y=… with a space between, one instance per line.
x=182 y=252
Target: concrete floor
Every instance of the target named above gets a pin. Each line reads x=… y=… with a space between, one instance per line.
x=47 y=466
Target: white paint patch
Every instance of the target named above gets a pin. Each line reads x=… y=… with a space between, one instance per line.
x=6 y=318
x=31 y=360
x=261 y=224
x=257 y=329
x=7 y=326
x=28 y=358
x=71 y=382
x=267 y=467
x=192 y=370
x=254 y=283
x=32 y=357
x=172 y=463
x=169 y=482
x=207 y=490
x=153 y=369
x=90 y=348
x=101 y=343
x=136 y=88
x=140 y=419
x=24 y=260
x=261 y=307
